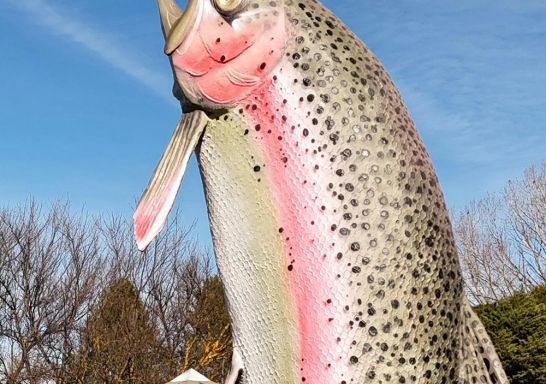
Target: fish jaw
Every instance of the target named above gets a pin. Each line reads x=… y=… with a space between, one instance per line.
x=218 y=62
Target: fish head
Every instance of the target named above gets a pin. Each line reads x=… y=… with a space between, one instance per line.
x=221 y=50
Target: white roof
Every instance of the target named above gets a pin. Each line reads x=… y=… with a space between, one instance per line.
x=191 y=376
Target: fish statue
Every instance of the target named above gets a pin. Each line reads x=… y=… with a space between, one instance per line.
x=330 y=230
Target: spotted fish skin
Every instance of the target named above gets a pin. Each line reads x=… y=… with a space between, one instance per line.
x=367 y=254
x=330 y=229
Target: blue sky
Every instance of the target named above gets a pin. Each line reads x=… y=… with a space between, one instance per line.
x=86 y=108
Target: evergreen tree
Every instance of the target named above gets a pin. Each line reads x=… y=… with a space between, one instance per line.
x=119 y=342
x=517 y=326
x=207 y=345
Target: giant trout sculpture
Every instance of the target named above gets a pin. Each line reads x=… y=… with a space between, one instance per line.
x=330 y=230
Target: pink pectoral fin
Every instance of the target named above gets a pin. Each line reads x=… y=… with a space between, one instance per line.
x=158 y=198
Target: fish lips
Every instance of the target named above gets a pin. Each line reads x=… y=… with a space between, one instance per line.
x=184 y=25
x=218 y=60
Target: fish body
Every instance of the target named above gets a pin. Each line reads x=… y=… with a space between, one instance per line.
x=330 y=230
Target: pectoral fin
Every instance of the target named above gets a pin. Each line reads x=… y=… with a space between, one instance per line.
x=157 y=200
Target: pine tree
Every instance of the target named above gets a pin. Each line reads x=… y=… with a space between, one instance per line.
x=517 y=326
x=119 y=343
x=208 y=335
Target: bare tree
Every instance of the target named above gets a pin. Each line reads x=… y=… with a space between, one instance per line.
x=172 y=279
x=502 y=239
x=48 y=269
x=526 y=200
x=54 y=265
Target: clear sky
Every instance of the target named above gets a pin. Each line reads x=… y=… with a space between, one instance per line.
x=86 y=108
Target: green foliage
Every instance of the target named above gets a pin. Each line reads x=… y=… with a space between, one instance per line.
x=208 y=340
x=517 y=326
x=120 y=343
x=211 y=306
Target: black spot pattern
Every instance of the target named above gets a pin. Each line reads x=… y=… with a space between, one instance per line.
x=405 y=319
x=391 y=212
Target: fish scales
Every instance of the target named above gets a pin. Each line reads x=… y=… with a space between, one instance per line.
x=330 y=230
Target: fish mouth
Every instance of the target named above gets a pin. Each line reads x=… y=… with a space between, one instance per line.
x=177 y=24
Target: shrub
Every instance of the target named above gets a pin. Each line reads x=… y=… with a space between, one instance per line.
x=517 y=326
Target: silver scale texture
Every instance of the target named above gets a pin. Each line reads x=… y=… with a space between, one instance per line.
x=405 y=317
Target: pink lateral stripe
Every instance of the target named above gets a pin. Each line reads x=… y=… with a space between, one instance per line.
x=301 y=199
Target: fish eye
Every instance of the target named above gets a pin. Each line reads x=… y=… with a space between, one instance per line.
x=228 y=6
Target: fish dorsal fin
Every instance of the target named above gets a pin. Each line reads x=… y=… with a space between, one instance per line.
x=158 y=198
